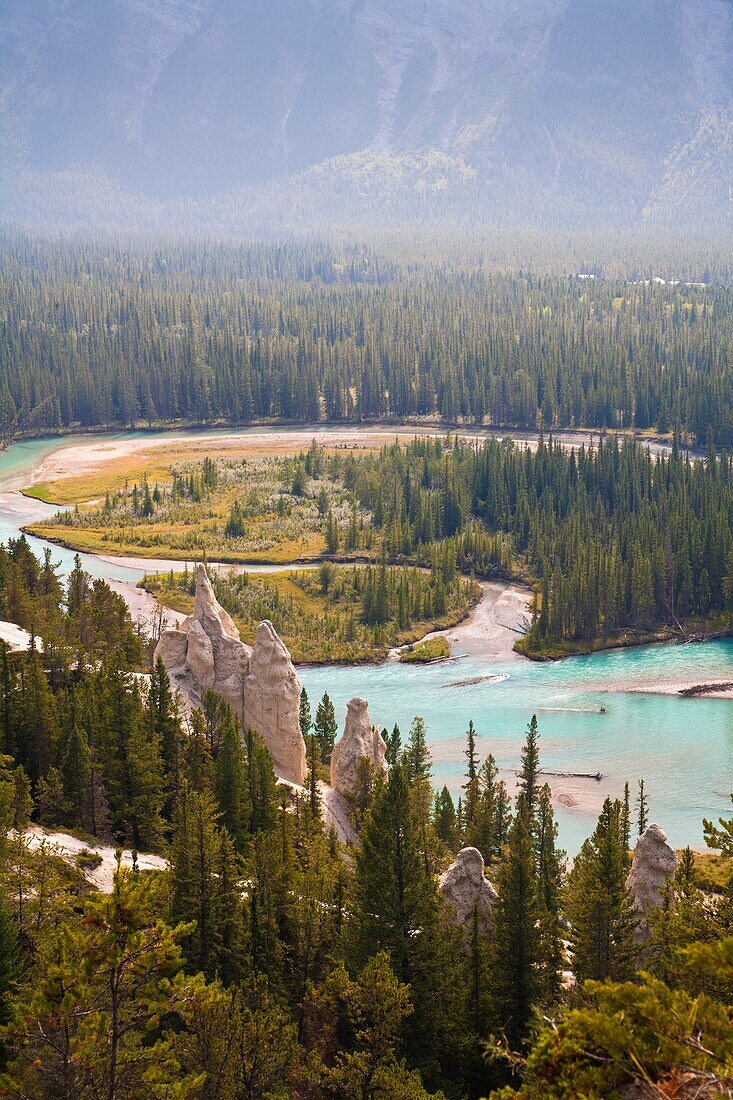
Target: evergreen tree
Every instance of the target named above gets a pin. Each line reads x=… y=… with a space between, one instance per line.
x=377 y=1004
x=76 y=778
x=87 y=1025
x=642 y=809
x=529 y=770
x=471 y=787
x=598 y=904
x=206 y=891
x=517 y=948
x=393 y=742
x=416 y=754
x=325 y=727
x=306 y=721
x=314 y=795
x=230 y=785
x=444 y=819
x=550 y=866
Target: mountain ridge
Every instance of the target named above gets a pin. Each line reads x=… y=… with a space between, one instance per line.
x=620 y=109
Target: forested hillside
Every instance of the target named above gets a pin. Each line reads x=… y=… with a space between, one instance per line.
x=100 y=335
x=268 y=963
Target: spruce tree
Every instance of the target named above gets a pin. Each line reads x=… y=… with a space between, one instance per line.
x=550 y=868
x=305 y=718
x=76 y=776
x=416 y=754
x=325 y=727
x=517 y=947
x=642 y=809
x=230 y=785
x=598 y=904
x=529 y=770
x=471 y=787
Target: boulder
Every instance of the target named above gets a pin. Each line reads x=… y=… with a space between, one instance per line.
x=466 y=889
x=260 y=684
x=272 y=704
x=653 y=866
x=360 y=741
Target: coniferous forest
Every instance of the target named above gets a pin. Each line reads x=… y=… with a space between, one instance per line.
x=265 y=962
x=103 y=334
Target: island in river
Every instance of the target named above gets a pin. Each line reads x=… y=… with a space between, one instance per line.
x=682 y=747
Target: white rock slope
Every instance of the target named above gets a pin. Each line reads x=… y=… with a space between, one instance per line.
x=360 y=741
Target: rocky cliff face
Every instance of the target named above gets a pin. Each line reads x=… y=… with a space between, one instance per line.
x=206 y=653
x=654 y=864
x=360 y=741
x=466 y=890
x=626 y=104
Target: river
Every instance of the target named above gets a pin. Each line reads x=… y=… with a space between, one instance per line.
x=683 y=748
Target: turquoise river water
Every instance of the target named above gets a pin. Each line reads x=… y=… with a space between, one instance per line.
x=683 y=748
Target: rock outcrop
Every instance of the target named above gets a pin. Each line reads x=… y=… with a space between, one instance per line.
x=206 y=653
x=272 y=704
x=360 y=741
x=466 y=889
x=653 y=866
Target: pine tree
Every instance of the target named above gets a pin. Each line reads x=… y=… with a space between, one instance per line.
x=306 y=721
x=529 y=770
x=393 y=742
x=230 y=785
x=325 y=727
x=416 y=754
x=550 y=865
x=395 y=909
x=642 y=809
x=314 y=794
x=444 y=819
x=75 y=776
x=22 y=803
x=84 y=1028
x=471 y=786
x=517 y=949
x=166 y=728
x=377 y=1005
x=626 y=825
x=205 y=879
x=598 y=904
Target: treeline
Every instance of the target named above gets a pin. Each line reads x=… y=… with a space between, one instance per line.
x=615 y=537
x=94 y=334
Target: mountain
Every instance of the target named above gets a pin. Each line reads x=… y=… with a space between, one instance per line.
x=614 y=108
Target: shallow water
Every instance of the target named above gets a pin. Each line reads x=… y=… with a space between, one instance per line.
x=683 y=748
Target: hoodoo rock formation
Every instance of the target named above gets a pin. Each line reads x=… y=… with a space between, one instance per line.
x=206 y=653
x=466 y=889
x=360 y=740
x=272 y=703
x=653 y=866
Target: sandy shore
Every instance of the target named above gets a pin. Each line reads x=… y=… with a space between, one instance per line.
x=681 y=686
x=77 y=459
x=493 y=626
